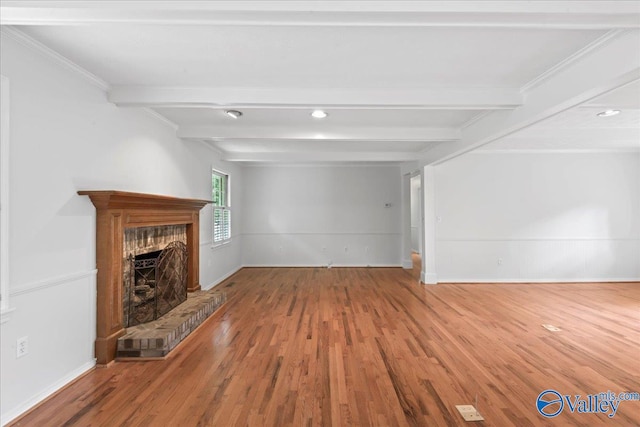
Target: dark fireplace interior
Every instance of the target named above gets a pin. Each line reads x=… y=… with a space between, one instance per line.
x=155 y=273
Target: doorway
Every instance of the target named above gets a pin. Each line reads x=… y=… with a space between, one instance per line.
x=416 y=224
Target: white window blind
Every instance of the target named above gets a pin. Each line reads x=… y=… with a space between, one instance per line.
x=221 y=207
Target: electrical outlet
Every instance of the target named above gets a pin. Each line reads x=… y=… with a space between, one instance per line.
x=22 y=347
x=499 y=261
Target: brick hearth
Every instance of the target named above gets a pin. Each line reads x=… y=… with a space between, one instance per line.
x=157 y=338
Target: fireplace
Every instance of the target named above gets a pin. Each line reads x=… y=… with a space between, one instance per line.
x=155 y=263
x=134 y=224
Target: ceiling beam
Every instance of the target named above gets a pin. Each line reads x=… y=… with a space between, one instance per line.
x=610 y=67
x=333 y=133
x=451 y=98
x=304 y=157
x=512 y=14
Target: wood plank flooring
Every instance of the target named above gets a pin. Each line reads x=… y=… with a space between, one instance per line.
x=372 y=347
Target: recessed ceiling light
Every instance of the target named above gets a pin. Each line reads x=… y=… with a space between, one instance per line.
x=233 y=113
x=319 y=114
x=608 y=113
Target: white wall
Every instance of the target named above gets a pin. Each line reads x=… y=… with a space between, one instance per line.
x=538 y=217
x=308 y=215
x=65 y=137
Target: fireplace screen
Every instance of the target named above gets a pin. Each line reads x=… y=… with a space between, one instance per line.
x=157 y=283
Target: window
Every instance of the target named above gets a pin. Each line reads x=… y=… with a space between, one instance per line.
x=221 y=207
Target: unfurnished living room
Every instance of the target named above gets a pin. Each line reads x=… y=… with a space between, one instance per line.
x=320 y=213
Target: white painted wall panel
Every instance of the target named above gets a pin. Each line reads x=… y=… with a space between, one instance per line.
x=296 y=216
x=538 y=260
x=65 y=137
x=60 y=339
x=322 y=249
x=538 y=217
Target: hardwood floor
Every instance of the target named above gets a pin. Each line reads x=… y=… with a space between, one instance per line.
x=370 y=346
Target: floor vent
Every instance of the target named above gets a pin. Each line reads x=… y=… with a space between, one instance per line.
x=469 y=413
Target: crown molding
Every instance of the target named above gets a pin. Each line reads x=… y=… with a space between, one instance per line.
x=208 y=145
x=559 y=67
x=475 y=118
x=29 y=42
x=160 y=117
x=87 y=76
x=557 y=151
x=398 y=13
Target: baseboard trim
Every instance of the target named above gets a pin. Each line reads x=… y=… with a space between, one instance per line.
x=429 y=278
x=40 y=398
x=322 y=265
x=546 y=280
x=407 y=264
x=223 y=278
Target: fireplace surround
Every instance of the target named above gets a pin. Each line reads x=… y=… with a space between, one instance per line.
x=116 y=212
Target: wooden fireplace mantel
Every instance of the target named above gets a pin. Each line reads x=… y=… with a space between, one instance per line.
x=116 y=211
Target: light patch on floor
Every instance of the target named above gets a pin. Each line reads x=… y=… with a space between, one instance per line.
x=469 y=413
x=551 y=328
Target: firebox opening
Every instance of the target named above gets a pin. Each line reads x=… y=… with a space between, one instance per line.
x=157 y=283
x=143 y=305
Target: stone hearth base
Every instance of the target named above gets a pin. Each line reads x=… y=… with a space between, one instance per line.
x=156 y=339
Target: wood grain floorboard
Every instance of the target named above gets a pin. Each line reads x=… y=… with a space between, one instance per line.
x=372 y=347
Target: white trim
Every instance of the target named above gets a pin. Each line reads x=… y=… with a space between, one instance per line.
x=215 y=246
x=153 y=113
x=223 y=278
x=48 y=391
x=483 y=14
x=28 y=41
x=21 y=37
x=322 y=233
x=601 y=41
x=49 y=283
x=332 y=265
x=475 y=118
x=224 y=207
x=456 y=98
x=207 y=144
x=429 y=278
x=542 y=239
x=5 y=315
x=324 y=164
x=4 y=196
x=220 y=245
x=520 y=280
x=555 y=151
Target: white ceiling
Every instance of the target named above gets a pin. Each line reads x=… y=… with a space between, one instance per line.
x=581 y=129
x=401 y=81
